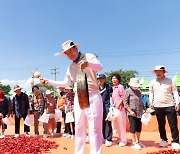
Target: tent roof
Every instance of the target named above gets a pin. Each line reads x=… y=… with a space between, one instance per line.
x=144 y=83
x=176 y=78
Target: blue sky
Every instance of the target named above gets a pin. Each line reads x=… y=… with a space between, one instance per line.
x=124 y=34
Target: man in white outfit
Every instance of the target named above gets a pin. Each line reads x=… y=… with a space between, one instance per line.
x=92 y=114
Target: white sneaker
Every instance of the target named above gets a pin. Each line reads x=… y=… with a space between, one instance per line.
x=53 y=134
x=163 y=143
x=122 y=144
x=64 y=135
x=16 y=135
x=72 y=136
x=27 y=135
x=108 y=143
x=175 y=146
x=136 y=146
x=2 y=135
x=68 y=136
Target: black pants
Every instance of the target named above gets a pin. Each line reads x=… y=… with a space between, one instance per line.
x=71 y=131
x=170 y=112
x=135 y=124
x=106 y=127
x=4 y=126
x=58 y=127
x=17 y=125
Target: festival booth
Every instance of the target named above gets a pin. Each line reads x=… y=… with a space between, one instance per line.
x=176 y=78
x=144 y=84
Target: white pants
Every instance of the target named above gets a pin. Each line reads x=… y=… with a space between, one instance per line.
x=121 y=126
x=93 y=117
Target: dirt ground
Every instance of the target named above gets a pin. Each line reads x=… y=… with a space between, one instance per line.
x=66 y=146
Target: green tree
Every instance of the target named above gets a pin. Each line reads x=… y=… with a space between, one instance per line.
x=5 y=89
x=125 y=76
x=49 y=87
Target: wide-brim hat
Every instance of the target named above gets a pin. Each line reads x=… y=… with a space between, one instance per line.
x=16 y=87
x=159 y=68
x=67 y=45
x=134 y=82
x=48 y=92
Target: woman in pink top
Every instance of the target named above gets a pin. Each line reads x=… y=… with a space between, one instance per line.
x=117 y=96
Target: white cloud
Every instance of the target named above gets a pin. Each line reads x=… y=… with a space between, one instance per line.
x=24 y=84
x=57 y=54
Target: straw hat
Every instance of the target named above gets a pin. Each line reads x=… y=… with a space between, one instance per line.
x=16 y=87
x=67 y=45
x=134 y=82
x=159 y=68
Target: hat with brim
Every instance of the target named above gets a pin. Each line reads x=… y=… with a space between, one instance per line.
x=48 y=92
x=101 y=76
x=159 y=68
x=68 y=45
x=134 y=82
x=16 y=87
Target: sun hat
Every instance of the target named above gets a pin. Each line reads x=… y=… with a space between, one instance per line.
x=17 y=87
x=48 y=92
x=134 y=82
x=101 y=76
x=1 y=96
x=67 y=45
x=159 y=68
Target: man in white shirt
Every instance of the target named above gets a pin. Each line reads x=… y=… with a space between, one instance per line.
x=163 y=97
x=92 y=115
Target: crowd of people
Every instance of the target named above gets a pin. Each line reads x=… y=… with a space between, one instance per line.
x=108 y=109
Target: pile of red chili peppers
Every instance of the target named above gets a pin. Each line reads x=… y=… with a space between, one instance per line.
x=26 y=145
x=165 y=152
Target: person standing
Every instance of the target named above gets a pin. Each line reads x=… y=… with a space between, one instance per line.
x=20 y=104
x=117 y=97
x=61 y=106
x=134 y=107
x=163 y=97
x=38 y=106
x=50 y=110
x=106 y=93
x=69 y=109
x=4 y=111
x=89 y=64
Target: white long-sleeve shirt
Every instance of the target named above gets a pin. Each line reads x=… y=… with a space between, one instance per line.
x=93 y=66
x=163 y=93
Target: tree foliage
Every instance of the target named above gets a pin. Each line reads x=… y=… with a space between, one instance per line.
x=5 y=89
x=49 y=87
x=125 y=76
